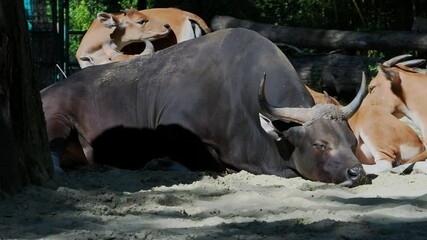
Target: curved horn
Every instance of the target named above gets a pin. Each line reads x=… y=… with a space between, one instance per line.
x=298 y=115
x=352 y=107
x=391 y=62
x=149 y=48
x=413 y=63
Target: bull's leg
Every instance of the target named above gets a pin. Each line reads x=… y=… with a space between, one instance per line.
x=408 y=168
x=56 y=151
x=379 y=167
x=61 y=136
x=165 y=164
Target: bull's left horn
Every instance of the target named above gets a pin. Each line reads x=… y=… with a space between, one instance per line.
x=391 y=62
x=412 y=63
x=352 y=107
x=149 y=48
x=298 y=115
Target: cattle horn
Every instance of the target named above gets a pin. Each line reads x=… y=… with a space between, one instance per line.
x=298 y=115
x=391 y=62
x=352 y=107
x=413 y=63
x=149 y=48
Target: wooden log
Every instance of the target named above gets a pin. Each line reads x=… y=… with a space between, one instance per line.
x=329 y=39
x=340 y=75
x=420 y=25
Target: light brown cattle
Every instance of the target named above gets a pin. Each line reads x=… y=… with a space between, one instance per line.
x=122 y=29
x=383 y=140
x=402 y=91
x=110 y=36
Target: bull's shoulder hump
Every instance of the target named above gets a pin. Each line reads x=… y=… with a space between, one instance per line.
x=242 y=36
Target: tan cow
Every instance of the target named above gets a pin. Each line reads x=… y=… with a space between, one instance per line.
x=123 y=29
x=383 y=140
x=402 y=90
x=109 y=34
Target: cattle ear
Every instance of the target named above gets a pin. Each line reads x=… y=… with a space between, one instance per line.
x=269 y=128
x=328 y=99
x=390 y=75
x=107 y=20
x=294 y=134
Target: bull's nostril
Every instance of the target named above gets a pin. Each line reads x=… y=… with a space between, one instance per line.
x=354 y=172
x=167 y=25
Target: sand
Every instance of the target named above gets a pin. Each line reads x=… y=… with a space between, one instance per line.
x=119 y=204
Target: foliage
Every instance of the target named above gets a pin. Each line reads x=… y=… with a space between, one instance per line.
x=326 y=14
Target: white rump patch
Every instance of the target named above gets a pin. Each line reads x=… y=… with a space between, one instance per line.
x=407 y=152
x=186 y=33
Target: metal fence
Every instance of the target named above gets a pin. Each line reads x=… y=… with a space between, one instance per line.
x=48 y=22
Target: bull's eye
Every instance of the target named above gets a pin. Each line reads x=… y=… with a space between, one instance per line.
x=142 y=21
x=371 y=89
x=320 y=146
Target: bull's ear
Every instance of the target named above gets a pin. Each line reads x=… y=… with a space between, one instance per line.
x=328 y=99
x=294 y=134
x=106 y=19
x=269 y=128
x=390 y=75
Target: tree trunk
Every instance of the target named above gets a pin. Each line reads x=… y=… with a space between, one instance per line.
x=24 y=154
x=329 y=39
x=340 y=75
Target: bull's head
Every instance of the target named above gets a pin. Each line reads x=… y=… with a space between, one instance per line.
x=324 y=143
x=133 y=26
x=385 y=89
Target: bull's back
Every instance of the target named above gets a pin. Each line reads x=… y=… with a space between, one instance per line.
x=208 y=87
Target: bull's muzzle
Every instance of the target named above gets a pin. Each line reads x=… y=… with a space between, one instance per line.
x=356 y=176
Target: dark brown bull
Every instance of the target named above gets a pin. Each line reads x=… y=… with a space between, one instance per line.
x=196 y=102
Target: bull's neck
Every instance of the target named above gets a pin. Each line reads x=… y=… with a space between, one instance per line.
x=110 y=49
x=414 y=107
x=279 y=163
x=116 y=45
x=419 y=117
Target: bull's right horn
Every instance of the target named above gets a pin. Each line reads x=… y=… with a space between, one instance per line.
x=391 y=62
x=352 y=107
x=298 y=115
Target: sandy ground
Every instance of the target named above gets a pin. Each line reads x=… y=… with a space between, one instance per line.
x=120 y=204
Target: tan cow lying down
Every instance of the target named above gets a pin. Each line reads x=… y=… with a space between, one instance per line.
x=383 y=140
x=109 y=34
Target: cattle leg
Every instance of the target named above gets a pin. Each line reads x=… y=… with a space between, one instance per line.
x=126 y=148
x=379 y=167
x=133 y=148
x=188 y=149
x=418 y=167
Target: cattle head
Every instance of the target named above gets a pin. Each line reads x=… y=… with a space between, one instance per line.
x=324 y=144
x=133 y=26
x=386 y=88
